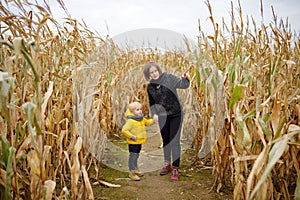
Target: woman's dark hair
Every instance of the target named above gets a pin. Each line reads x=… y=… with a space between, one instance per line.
x=147 y=67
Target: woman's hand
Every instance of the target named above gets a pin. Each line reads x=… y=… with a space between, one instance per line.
x=186 y=74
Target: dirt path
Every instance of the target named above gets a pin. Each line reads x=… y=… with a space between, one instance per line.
x=152 y=186
x=196 y=182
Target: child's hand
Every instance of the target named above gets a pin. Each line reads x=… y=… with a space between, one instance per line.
x=155 y=118
x=133 y=138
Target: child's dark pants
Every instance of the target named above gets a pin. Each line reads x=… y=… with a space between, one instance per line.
x=134 y=152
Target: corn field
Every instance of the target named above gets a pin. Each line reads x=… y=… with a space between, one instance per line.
x=63 y=95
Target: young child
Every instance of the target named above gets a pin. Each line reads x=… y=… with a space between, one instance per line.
x=135 y=132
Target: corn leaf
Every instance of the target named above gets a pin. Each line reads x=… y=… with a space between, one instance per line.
x=236 y=96
x=5 y=151
x=265 y=128
x=9 y=172
x=198 y=79
x=245 y=135
x=297 y=190
x=274 y=155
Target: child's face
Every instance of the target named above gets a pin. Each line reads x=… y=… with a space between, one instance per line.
x=138 y=111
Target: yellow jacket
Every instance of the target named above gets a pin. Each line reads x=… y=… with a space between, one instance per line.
x=136 y=128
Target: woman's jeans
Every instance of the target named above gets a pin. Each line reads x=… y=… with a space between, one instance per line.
x=170 y=129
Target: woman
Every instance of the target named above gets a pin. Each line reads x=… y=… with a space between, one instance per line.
x=167 y=111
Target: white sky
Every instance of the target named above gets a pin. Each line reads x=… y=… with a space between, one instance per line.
x=113 y=17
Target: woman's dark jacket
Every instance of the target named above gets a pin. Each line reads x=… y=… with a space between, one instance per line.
x=162 y=93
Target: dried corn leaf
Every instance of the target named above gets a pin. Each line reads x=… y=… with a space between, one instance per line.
x=256 y=169
x=22 y=149
x=293 y=129
x=297 y=190
x=274 y=155
x=2 y=177
x=275 y=115
x=75 y=165
x=46 y=97
x=34 y=162
x=49 y=187
x=87 y=183
x=105 y=183
x=17 y=45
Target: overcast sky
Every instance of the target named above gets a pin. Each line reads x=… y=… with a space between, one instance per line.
x=118 y=16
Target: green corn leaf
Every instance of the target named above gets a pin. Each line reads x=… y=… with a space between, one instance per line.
x=9 y=172
x=7 y=43
x=3 y=109
x=249 y=114
x=198 y=79
x=109 y=79
x=5 y=150
x=280 y=127
x=231 y=73
x=265 y=128
x=37 y=126
x=237 y=48
x=31 y=65
x=236 y=96
x=245 y=135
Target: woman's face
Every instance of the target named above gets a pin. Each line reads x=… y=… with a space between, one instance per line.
x=154 y=73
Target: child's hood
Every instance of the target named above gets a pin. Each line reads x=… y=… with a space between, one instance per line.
x=128 y=113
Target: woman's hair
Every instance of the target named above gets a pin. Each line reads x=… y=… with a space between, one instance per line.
x=147 y=67
x=132 y=106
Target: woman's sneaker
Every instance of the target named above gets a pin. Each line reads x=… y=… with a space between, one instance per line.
x=133 y=176
x=166 y=170
x=175 y=174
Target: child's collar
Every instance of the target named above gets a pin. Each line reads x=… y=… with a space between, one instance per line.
x=137 y=118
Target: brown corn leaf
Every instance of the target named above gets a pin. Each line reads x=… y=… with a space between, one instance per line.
x=34 y=162
x=87 y=183
x=256 y=170
x=49 y=186
x=46 y=97
x=275 y=115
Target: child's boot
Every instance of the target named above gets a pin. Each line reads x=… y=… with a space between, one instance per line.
x=133 y=176
x=138 y=173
